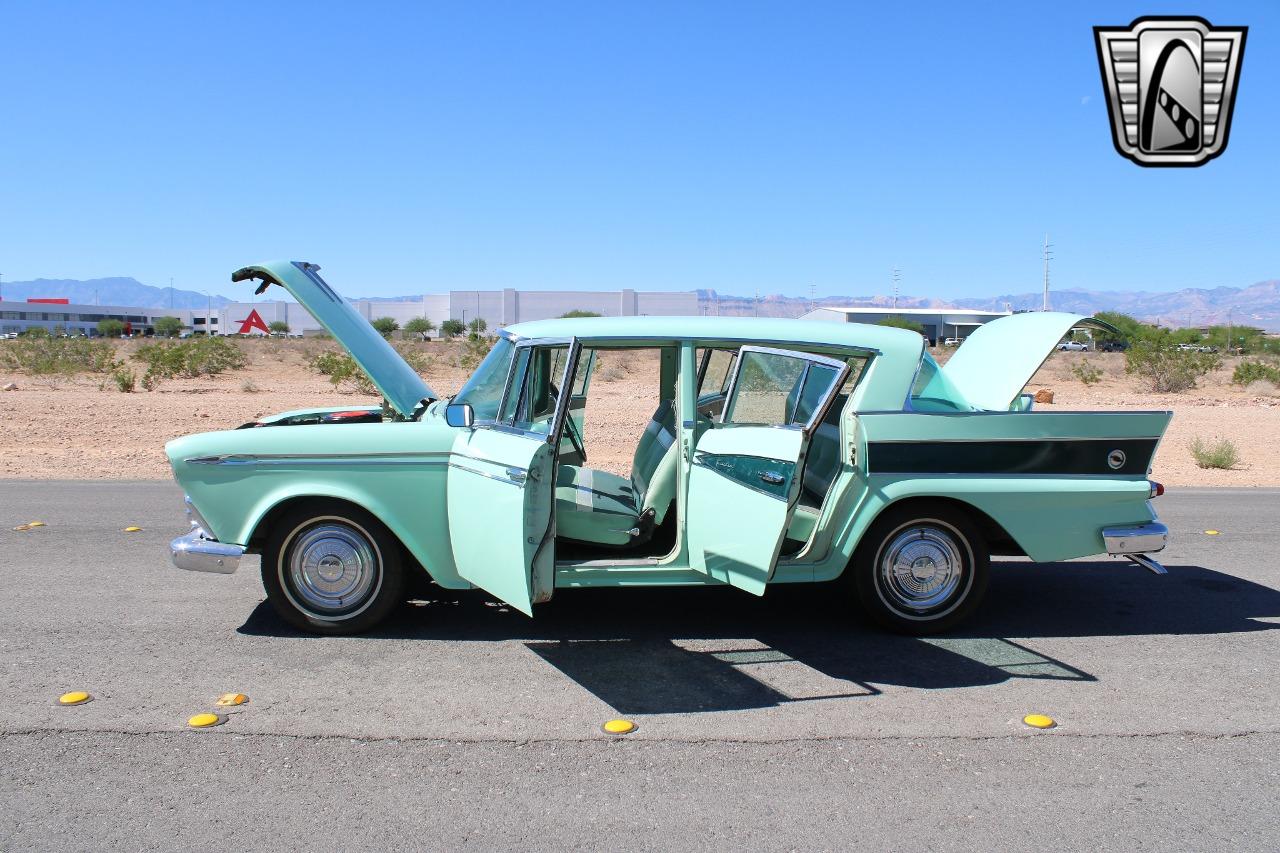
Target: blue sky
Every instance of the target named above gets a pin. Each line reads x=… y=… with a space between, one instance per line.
x=736 y=146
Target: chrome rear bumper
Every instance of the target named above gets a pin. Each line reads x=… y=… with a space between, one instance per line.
x=1135 y=538
x=197 y=553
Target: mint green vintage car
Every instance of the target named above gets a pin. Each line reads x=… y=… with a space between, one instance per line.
x=781 y=451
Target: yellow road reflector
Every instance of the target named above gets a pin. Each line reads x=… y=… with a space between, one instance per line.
x=35 y=524
x=132 y=529
x=1039 y=721
x=204 y=721
x=1211 y=532
x=75 y=697
x=227 y=700
x=619 y=727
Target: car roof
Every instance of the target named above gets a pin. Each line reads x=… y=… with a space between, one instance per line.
x=773 y=330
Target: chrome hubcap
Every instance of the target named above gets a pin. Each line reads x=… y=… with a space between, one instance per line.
x=333 y=568
x=921 y=568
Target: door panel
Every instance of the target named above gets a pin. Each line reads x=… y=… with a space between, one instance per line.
x=745 y=478
x=741 y=490
x=501 y=489
x=500 y=502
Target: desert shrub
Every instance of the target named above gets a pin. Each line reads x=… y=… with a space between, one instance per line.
x=452 y=328
x=477 y=327
x=897 y=322
x=386 y=326
x=474 y=351
x=1087 y=372
x=278 y=327
x=343 y=372
x=46 y=356
x=1166 y=368
x=612 y=373
x=110 y=328
x=1220 y=453
x=249 y=387
x=415 y=358
x=126 y=380
x=168 y=327
x=1248 y=372
x=189 y=359
x=420 y=326
x=578 y=312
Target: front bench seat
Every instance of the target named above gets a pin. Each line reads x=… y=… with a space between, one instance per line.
x=603 y=508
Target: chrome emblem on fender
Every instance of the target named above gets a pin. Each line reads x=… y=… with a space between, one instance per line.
x=1170 y=85
x=1116 y=459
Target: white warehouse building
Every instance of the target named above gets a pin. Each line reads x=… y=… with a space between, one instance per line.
x=498 y=308
x=939 y=323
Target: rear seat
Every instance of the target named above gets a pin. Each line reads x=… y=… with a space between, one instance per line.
x=602 y=508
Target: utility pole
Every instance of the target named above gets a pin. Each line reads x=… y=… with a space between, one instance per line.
x=1047 y=255
x=813 y=296
x=896 y=278
x=755 y=306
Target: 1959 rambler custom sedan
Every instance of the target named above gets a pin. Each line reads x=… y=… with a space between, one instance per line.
x=780 y=451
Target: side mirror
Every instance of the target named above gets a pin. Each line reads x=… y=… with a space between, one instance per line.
x=459 y=415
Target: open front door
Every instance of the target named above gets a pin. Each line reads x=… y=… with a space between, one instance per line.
x=746 y=470
x=502 y=480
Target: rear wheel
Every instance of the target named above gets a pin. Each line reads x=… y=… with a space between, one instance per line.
x=921 y=568
x=332 y=569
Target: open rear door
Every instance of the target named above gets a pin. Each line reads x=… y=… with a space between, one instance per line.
x=501 y=493
x=745 y=479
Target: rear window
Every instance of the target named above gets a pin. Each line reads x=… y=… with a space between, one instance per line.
x=933 y=391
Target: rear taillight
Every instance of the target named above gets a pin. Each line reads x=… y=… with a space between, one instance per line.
x=1157 y=489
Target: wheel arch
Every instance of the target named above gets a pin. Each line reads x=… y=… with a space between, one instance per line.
x=267 y=520
x=998 y=540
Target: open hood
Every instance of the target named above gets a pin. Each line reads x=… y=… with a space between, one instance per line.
x=996 y=362
x=402 y=387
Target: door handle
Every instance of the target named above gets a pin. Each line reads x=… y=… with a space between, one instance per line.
x=772 y=478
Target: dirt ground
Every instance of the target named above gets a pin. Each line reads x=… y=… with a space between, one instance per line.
x=83 y=428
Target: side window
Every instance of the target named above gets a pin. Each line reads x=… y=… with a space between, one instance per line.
x=780 y=388
x=715 y=378
x=531 y=400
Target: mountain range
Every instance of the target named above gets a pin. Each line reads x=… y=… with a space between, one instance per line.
x=122 y=291
x=1255 y=305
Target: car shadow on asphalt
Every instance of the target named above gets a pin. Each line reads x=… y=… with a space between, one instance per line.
x=699 y=649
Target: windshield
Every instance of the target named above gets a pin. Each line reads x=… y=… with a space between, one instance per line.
x=484 y=389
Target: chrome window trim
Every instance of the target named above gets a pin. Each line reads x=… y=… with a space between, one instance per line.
x=842 y=369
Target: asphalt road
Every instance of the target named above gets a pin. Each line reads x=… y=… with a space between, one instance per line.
x=781 y=722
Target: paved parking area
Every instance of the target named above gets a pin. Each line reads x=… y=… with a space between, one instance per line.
x=775 y=722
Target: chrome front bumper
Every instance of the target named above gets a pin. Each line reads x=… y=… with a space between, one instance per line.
x=197 y=553
x=1135 y=538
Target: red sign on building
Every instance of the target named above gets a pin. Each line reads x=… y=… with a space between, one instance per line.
x=50 y=301
x=253 y=321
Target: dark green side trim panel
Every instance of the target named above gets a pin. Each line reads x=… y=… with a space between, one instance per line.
x=1059 y=456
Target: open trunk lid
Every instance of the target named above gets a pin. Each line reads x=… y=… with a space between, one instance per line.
x=402 y=387
x=996 y=362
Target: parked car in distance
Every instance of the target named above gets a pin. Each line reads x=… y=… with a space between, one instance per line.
x=952 y=342
x=1072 y=346
x=1196 y=348
x=1113 y=346
x=781 y=451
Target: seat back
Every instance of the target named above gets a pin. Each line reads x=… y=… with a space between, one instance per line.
x=653 y=470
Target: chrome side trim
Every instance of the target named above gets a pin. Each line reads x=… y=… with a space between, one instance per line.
x=195 y=552
x=434 y=457
x=509 y=479
x=1135 y=538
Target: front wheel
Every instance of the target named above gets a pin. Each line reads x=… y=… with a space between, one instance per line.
x=332 y=570
x=921 y=569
